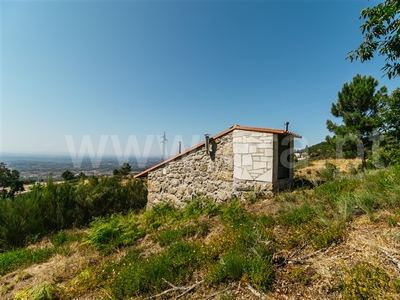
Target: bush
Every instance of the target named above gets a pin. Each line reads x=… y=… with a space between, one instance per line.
x=365 y=281
x=54 y=207
x=108 y=234
x=106 y=195
x=328 y=173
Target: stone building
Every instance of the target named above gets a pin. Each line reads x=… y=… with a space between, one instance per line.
x=232 y=164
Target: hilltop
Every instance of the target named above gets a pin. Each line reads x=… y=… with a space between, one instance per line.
x=335 y=236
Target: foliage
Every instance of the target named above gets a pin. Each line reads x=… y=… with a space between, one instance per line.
x=161 y=214
x=169 y=235
x=81 y=176
x=296 y=216
x=9 y=178
x=389 y=152
x=107 y=195
x=381 y=31
x=328 y=173
x=390 y=114
x=322 y=150
x=54 y=207
x=124 y=170
x=107 y=234
x=358 y=105
x=67 y=175
x=201 y=206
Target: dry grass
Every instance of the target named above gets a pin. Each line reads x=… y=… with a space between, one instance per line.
x=364 y=242
x=310 y=171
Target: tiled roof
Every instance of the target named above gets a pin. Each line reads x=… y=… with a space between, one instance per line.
x=234 y=127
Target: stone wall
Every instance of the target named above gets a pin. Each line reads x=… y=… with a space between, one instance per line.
x=197 y=173
x=240 y=163
x=253 y=162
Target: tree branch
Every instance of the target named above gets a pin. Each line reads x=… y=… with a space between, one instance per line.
x=173 y=288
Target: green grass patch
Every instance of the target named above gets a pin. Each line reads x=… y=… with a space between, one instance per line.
x=170 y=235
x=296 y=215
x=108 y=234
x=136 y=276
x=22 y=258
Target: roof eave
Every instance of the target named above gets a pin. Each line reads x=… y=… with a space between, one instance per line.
x=277 y=131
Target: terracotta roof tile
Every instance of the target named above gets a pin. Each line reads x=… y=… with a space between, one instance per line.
x=258 y=129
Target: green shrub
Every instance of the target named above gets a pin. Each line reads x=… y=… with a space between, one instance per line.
x=255 y=267
x=325 y=237
x=260 y=272
x=328 y=173
x=108 y=234
x=231 y=266
x=365 y=281
x=160 y=214
x=54 y=207
x=201 y=206
x=170 y=235
x=59 y=238
x=234 y=214
x=106 y=195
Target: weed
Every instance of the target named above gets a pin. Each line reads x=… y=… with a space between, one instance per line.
x=143 y=276
x=167 y=236
x=328 y=173
x=296 y=215
x=365 y=281
x=260 y=272
x=331 y=192
x=234 y=264
x=201 y=206
x=40 y=292
x=108 y=234
x=161 y=214
x=267 y=221
x=12 y=260
x=234 y=214
x=392 y=220
x=59 y=238
x=327 y=236
x=299 y=274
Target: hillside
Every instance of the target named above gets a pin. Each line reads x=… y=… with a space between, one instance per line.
x=337 y=239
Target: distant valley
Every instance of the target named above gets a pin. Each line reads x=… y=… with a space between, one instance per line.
x=38 y=167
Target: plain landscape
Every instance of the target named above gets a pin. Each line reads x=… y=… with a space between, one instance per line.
x=38 y=167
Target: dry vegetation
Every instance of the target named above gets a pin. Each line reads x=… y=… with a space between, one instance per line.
x=310 y=170
x=362 y=263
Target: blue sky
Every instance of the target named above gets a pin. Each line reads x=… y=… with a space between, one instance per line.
x=79 y=69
